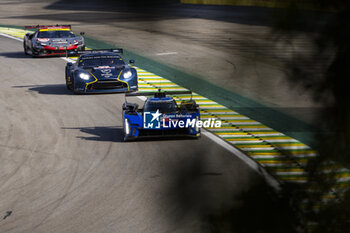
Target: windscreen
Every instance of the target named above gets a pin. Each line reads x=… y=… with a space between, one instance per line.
x=168 y=106
x=55 y=34
x=93 y=61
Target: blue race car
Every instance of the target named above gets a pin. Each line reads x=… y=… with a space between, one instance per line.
x=160 y=116
x=101 y=70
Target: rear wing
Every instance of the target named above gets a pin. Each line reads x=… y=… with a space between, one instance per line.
x=159 y=93
x=185 y=104
x=93 y=51
x=48 y=26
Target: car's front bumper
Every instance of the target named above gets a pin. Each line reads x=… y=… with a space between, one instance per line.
x=106 y=86
x=46 y=51
x=114 y=90
x=139 y=133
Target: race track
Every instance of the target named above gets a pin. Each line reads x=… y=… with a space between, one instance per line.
x=64 y=167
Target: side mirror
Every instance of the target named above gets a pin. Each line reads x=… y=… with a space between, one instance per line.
x=82 y=33
x=69 y=64
x=132 y=61
x=130 y=107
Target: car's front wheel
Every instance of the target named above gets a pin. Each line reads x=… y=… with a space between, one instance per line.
x=25 y=48
x=69 y=86
x=68 y=82
x=72 y=86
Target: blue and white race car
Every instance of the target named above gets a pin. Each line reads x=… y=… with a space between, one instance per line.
x=160 y=116
x=101 y=70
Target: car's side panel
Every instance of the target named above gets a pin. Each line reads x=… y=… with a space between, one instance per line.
x=135 y=122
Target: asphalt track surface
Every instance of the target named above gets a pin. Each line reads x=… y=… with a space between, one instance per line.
x=230 y=48
x=64 y=167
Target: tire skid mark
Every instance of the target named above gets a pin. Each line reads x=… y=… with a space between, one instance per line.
x=21 y=164
x=59 y=200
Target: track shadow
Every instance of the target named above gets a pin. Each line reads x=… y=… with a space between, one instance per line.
x=15 y=55
x=115 y=134
x=162 y=138
x=198 y=191
x=60 y=89
x=269 y=210
x=102 y=133
x=48 y=89
x=155 y=11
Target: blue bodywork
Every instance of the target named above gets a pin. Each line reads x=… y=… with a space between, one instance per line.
x=98 y=72
x=134 y=119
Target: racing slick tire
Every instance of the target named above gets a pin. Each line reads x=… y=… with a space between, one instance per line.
x=76 y=92
x=25 y=48
x=68 y=86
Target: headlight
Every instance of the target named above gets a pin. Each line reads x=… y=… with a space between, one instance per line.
x=40 y=40
x=84 y=76
x=127 y=74
x=127 y=129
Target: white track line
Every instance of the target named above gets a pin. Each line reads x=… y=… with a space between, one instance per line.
x=11 y=37
x=19 y=39
x=252 y=164
x=168 y=53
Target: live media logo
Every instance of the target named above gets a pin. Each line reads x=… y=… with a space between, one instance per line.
x=153 y=120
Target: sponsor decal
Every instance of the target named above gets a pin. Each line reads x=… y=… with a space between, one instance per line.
x=151 y=120
x=156 y=120
x=105 y=71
